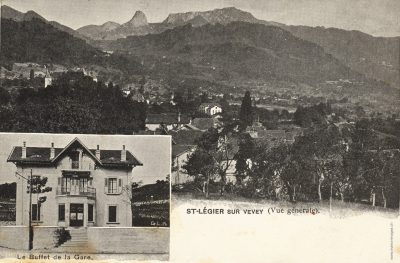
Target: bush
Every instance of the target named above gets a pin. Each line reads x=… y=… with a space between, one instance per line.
x=61 y=236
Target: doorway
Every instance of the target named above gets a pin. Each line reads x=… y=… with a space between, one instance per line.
x=76 y=215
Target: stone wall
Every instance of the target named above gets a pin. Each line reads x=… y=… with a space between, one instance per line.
x=129 y=240
x=14 y=237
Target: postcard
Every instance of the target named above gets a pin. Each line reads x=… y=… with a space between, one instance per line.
x=200 y=131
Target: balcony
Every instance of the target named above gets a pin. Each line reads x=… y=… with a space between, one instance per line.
x=77 y=191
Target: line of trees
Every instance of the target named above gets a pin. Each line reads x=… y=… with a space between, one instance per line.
x=350 y=162
x=73 y=104
x=326 y=162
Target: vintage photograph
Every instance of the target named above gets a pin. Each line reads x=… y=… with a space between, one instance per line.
x=87 y=194
x=289 y=105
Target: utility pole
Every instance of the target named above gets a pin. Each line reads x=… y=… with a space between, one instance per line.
x=30 y=234
x=30 y=213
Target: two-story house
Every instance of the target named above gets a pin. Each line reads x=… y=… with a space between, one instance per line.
x=210 y=108
x=87 y=185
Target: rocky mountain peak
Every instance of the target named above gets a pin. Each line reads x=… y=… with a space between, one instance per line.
x=138 y=20
x=222 y=16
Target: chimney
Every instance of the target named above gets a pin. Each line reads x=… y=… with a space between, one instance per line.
x=98 y=152
x=52 y=151
x=23 y=155
x=123 y=154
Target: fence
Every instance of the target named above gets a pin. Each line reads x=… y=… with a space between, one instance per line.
x=7 y=212
x=151 y=214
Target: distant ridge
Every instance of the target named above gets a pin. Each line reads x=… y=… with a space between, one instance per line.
x=138 y=25
x=12 y=14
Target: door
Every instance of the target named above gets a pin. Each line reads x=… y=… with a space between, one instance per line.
x=74 y=186
x=76 y=215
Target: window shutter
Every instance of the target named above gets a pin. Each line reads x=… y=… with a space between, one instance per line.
x=105 y=185
x=59 y=181
x=120 y=185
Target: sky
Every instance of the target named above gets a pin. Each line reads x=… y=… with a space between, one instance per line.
x=376 y=17
x=153 y=151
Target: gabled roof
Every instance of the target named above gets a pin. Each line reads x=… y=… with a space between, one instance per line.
x=41 y=155
x=167 y=118
x=203 y=123
x=177 y=150
x=210 y=104
x=73 y=143
x=185 y=137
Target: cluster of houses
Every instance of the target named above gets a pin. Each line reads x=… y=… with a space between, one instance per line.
x=28 y=70
x=185 y=131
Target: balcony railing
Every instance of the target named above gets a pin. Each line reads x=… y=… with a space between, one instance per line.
x=86 y=191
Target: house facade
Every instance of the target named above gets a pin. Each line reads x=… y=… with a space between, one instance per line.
x=180 y=155
x=169 y=121
x=87 y=185
x=210 y=108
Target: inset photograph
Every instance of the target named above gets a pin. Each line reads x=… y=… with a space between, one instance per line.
x=88 y=194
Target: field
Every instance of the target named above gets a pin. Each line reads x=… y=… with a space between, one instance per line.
x=151 y=214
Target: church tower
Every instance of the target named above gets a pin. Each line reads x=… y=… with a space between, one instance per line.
x=47 y=79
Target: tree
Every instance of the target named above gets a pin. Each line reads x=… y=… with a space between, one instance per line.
x=212 y=158
x=242 y=157
x=322 y=148
x=246 y=111
x=5 y=97
x=38 y=184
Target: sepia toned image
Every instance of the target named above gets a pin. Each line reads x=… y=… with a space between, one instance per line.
x=80 y=194
x=282 y=119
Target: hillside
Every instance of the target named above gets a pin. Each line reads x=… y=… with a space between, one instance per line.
x=376 y=57
x=236 y=51
x=12 y=14
x=37 y=41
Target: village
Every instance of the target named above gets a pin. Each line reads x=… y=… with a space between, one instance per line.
x=190 y=114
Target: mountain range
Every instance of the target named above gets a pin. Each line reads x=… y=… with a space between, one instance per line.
x=376 y=57
x=235 y=51
x=356 y=52
x=138 y=25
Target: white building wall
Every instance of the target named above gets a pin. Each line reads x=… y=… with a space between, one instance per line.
x=49 y=209
x=180 y=176
x=47 y=82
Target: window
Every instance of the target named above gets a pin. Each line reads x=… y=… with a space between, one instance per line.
x=112 y=214
x=90 y=213
x=61 y=212
x=35 y=212
x=112 y=185
x=75 y=160
x=65 y=185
